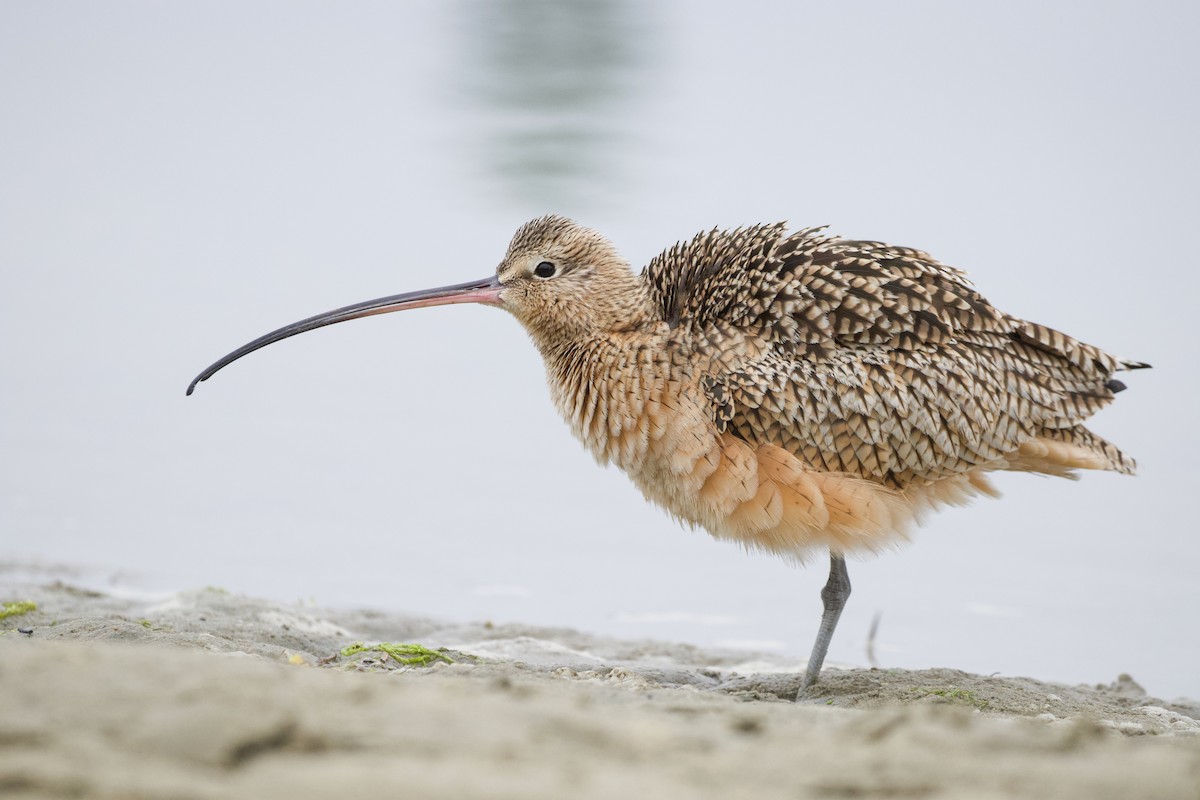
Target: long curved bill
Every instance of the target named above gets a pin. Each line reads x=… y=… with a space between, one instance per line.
x=485 y=291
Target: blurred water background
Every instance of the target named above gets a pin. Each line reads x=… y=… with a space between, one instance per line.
x=176 y=179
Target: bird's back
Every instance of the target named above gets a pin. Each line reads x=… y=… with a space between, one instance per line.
x=878 y=362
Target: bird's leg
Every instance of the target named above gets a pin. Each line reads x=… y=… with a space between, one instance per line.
x=834 y=595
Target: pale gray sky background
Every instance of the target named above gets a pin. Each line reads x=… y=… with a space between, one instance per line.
x=176 y=179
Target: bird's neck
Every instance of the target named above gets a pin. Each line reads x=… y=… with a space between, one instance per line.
x=607 y=387
x=604 y=360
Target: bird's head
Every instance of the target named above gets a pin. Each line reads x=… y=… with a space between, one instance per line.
x=561 y=280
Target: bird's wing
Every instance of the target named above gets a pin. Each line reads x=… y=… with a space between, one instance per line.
x=869 y=359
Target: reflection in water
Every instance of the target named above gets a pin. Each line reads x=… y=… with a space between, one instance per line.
x=550 y=79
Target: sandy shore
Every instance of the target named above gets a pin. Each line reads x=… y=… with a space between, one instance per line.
x=207 y=694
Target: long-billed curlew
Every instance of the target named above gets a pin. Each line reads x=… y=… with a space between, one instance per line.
x=789 y=392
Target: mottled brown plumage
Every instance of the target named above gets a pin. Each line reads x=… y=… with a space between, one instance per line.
x=789 y=392
x=799 y=391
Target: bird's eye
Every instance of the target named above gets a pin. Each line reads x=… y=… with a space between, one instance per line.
x=544 y=270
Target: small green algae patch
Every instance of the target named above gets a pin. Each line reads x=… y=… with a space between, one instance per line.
x=410 y=655
x=963 y=696
x=17 y=608
x=145 y=623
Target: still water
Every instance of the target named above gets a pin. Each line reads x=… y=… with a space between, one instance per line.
x=180 y=179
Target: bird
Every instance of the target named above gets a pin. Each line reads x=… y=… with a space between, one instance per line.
x=793 y=392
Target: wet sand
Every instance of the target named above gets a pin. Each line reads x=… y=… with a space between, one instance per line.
x=207 y=694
